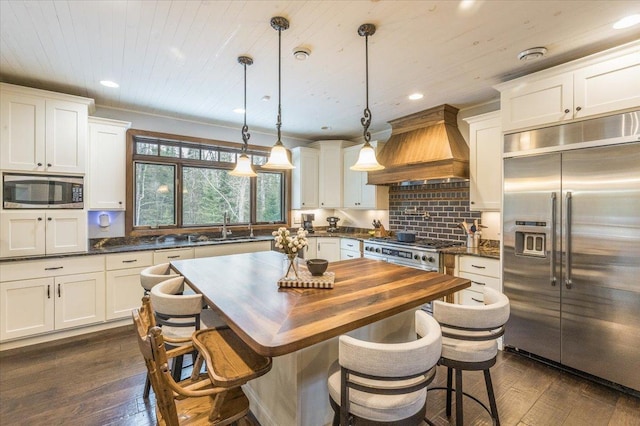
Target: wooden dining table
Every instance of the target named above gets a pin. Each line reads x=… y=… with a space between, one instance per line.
x=370 y=299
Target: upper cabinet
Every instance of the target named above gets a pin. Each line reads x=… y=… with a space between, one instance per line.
x=107 y=161
x=600 y=84
x=42 y=131
x=330 y=173
x=304 y=178
x=357 y=193
x=485 y=162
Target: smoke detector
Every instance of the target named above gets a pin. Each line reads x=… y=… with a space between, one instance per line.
x=301 y=53
x=531 y=54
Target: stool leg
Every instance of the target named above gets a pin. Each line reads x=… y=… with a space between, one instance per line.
x=449 y=387
x=492 y=397
x=459 y=420
x=177 y=368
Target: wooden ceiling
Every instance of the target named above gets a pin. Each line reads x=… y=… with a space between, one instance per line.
x=179 y=58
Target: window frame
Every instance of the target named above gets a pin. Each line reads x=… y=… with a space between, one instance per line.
x=136 y=135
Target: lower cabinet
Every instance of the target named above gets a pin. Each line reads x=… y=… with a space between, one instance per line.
x=123 y=291
x=350 y=249
x=48 y=295
x=328 y=248
x=233 y=248
x=167 y=255
x=482 y=271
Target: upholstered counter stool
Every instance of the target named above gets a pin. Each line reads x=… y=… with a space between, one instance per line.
x=384 y=383
x=154 y=275
x=469 y=342
x=195 y=401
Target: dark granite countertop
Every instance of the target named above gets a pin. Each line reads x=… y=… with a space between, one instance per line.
x=487 y=248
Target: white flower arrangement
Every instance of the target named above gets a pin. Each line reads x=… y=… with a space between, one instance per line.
x=289 y=244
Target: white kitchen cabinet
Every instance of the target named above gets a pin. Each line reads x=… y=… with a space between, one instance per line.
x=106 y=175
x=304 y=178
x=42 y=131
x=485 y=162
x=328 y=248
x=38 y=232
x=595 y=85
x=46 y=295
x=350 y=249
x=233 y=248
x=482 y=271
x=123 y=289
x=311 y=251
x=167 y=255
x=330 y=173
x=356 y=193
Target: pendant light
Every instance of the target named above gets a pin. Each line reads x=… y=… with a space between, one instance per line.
x=243 y=164
x=367 y=161
x=278 y=159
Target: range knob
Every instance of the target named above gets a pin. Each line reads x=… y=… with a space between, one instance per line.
x=378 y=250
x=367 y=248
x=416 y=257
x=429 y=259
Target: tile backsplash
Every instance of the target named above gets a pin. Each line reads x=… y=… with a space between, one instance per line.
x=431 y=210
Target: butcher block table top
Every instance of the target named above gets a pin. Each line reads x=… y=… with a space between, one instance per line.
x=243 y=288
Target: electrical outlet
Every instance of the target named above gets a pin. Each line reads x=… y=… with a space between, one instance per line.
x=297 y=219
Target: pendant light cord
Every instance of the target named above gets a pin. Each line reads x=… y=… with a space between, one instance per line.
x=279 y=122
x=245 y=129
x=366 y=30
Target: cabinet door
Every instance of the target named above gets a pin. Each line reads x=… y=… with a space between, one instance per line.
x=311 y=251
x=549 y=100
x=66 y=136
x=304 y=192
x=330 y=177
x=352 y=184
x=123 y=292
x=22 y=132
x=66 y=231
x=22 y=233
x=27 y=307
x=609 y=86
x=485 y=148
x=328 y=248
x=79 y=300
x=106 y=174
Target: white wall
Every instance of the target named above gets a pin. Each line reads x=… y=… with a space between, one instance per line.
x=348 y=218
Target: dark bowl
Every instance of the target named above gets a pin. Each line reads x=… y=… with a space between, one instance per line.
x=317 y=266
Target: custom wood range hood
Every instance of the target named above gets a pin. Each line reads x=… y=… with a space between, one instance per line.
x=423 y=146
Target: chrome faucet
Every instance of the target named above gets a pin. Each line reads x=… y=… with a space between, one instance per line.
x=225 y=219
x=250 y=231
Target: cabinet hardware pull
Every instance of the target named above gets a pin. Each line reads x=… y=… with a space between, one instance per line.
x=130 y=261
x=39 y=164
x=479 y=283
x=476 y=300
x=173 y=257
x=479 y=267
x=39 y=219
x=59 y=290
x=566 y=111
x=49 y=219
x=53 y=268
x=48 y=291
x=48 y=164
x=578 y=108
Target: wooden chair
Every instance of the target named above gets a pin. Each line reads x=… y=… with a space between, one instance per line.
x=194 y=401
x=469 y=342
x=384 y=383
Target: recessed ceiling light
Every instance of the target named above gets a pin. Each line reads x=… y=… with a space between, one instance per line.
x=266 y=98
x=627 y=21
x=239 y=110
x=416 y=96
x=531 y=54
x=109 y=83
x=301 y=53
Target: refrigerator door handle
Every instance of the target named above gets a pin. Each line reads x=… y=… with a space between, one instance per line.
x=567 y=266
x=552 y=272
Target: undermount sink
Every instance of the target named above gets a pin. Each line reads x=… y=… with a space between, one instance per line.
x=234 y=238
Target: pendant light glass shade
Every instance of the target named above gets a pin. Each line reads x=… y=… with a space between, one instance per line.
x=367 y=161
x=243 y=163
x=278 y=159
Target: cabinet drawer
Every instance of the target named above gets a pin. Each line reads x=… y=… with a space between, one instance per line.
x=12 y=271
x=470 y=297
x=129 y=260
x=480 y=281
x=480 y=265
x=350 y=244
x=164 y=256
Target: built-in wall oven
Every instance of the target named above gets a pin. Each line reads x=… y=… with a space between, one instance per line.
x=23 y=191
x=422 y=254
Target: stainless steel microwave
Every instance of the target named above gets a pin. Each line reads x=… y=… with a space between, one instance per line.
x=42 y=192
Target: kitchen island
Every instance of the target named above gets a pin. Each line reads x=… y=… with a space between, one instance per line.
x=371 y=299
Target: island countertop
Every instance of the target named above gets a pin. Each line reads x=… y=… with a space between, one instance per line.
x=243 y=289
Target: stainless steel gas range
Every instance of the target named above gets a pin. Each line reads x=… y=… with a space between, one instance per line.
x=422 y=254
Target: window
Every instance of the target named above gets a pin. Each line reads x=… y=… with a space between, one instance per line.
x=180 y=184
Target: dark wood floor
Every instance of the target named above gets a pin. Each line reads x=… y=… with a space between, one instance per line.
x=87 y=382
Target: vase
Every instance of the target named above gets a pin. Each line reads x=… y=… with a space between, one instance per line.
x=292 y=266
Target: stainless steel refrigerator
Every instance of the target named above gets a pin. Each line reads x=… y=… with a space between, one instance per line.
x=571 y=245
